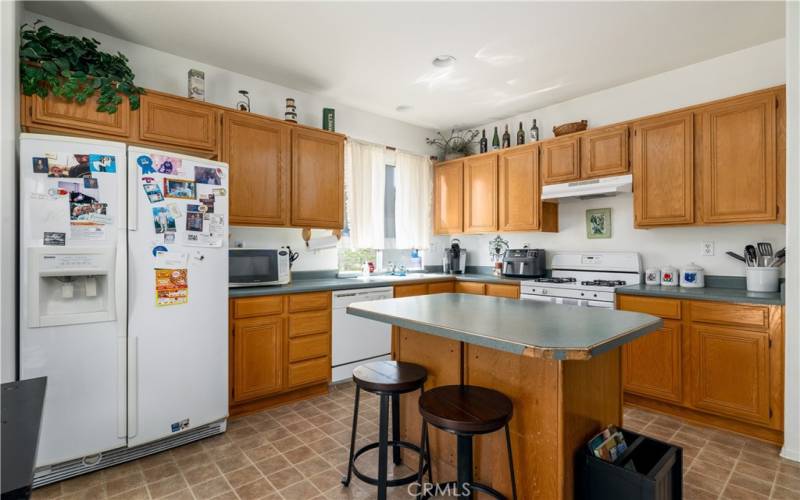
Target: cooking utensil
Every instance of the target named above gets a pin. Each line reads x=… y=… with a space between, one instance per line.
x=765 y=253
x=293 y=256
x=751 y=256
x=736 y=256
x=780 y=253
x=778 y=262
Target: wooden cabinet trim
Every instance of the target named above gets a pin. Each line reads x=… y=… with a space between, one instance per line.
x=410 y=290
x=720 y=313
x=441 y=287
x=55 y=112
x=472 y=287
x=663 y=308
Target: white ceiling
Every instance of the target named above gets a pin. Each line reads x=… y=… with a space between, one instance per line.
x=511 y=57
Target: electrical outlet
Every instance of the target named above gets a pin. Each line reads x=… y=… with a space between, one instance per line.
x=708 y=249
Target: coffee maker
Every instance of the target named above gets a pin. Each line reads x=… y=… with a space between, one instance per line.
x=454 y=260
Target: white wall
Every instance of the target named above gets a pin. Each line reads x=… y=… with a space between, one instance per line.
x=750 y=69
x=166 y=72
x=791 y=419
x=10 y=19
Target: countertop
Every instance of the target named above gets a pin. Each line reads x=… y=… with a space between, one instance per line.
x=740 y=295
x=526 y=327
x=322 y=284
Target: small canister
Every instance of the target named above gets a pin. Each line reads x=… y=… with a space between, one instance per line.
x=693 y=276
x=669 y=276
x=652 y=276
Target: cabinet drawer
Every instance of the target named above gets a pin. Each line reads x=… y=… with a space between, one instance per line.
x=309 y=301
x=664 y=308
x=443 y=287
x=310 y=346
x=308 y=372
x=730 y=314
x=469 y=287
x=509 y=291
x=309 y=323
x=257 y=306
x=410 y=290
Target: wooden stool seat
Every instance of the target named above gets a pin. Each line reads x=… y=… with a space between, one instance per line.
x=466 y=409
x=389 y=377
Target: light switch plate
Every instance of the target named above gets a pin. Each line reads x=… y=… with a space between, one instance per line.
x=708 y=249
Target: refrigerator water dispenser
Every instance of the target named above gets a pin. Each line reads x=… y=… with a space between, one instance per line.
x=71 y=285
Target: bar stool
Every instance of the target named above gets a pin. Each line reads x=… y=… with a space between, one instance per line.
x=466 y=411
x=388 y=379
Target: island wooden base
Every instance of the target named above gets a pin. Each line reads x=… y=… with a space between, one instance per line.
x=558 y=406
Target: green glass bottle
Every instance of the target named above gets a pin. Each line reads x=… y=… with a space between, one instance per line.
x=496 y=140
x=520 y=135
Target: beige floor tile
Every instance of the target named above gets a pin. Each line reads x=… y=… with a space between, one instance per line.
x=125 y=483
x=211 y=489
x=303 y=489
x=201 y=474
x=233 y=462
x=781 y=493
x=258 y=489
x=751 y=483
x=313 y=466
x=137 y=494
x=154 y=474
x=243 y=476
x=787 y=481
x=287 y=444
x=167 y=486
x=284 y=478
x=272 y=464
x=733 y=492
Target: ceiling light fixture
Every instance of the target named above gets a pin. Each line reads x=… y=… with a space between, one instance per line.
x=444 y=61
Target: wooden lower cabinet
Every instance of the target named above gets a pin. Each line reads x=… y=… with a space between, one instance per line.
x=652 y=364
x=730 y=372
x=472 y=287
x=280 y=349
x=716 y=363
x=258 y=357
x=501 y=290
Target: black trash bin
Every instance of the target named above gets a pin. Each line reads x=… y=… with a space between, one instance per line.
x=648 y=470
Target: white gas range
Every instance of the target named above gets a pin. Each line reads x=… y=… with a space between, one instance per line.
x=585 y=278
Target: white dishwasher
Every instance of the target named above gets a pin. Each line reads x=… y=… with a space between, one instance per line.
x=357 y=340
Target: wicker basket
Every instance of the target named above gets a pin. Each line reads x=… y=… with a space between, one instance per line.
x=570 y=128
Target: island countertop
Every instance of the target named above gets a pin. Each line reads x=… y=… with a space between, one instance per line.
x=530 y=328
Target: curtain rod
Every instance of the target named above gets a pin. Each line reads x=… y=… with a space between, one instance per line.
x=390 y=148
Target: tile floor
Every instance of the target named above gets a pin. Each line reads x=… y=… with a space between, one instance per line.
x=299 y=451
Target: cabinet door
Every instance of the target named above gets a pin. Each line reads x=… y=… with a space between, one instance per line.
x=498 y=290
x=519 y=191
x=739 y=170
x=443 y=287
x=179 y=122
x=652 y=364
x=317 y=179
x=561 y=160
x=605 y=152
x=663 y=171
x=257 y=151
x=730 y=372
x=258 y=357
x=448 y=198
x=55 y=113
x=410 y=290
x=480 y=194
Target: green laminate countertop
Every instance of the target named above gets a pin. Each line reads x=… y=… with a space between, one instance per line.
x=737 y=295
x=325 y=284
x=526 y=327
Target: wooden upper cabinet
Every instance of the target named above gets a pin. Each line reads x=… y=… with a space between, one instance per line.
x=258 y=152
x=317 y=179
x=561 y=160
x=651 y=364
x=519 y=190
x=730 y=372
x=448 y=197
x=258 y=345
x=178 y=122
x=605 y=152
x=480 y=194
x=739 y=169
x=663 y=170
x=54 y=113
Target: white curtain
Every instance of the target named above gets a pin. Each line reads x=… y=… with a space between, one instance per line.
x=365 y=190
x=413 y=201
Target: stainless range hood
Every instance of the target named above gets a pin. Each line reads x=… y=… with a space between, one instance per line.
x=589 y=188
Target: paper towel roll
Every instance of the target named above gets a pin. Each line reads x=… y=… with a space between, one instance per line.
x=323 y=243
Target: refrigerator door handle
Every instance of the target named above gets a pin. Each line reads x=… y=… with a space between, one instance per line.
x=133 y=386
x=133 y=194
x=122 y=413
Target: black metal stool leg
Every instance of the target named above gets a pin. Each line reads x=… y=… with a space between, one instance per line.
x=511 y=465
x=396 y=457
x=383 y=440
x=346 y=479
x=423 y=443
x=464 y=464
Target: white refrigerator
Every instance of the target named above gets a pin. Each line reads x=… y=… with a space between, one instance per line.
x=123 y=299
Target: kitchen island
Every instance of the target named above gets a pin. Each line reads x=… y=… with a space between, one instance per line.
x=560 y=365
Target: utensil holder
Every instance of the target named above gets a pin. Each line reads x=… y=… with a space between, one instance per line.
x=763 y=279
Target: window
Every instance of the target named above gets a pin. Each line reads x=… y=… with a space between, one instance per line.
x=352 y=260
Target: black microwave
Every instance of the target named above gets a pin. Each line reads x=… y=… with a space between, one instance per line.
x=258 y=267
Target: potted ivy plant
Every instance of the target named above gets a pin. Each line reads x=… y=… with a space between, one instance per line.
x=73 y=68
x=457 y=145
